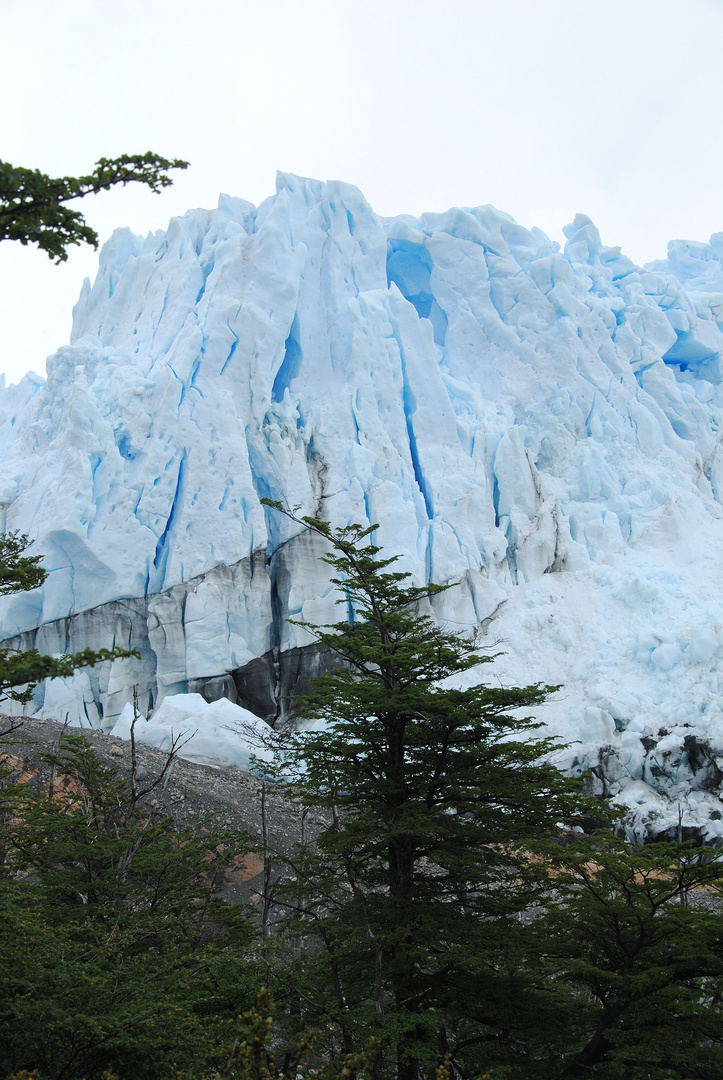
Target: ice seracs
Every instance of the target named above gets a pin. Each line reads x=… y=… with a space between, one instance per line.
x=539 y=424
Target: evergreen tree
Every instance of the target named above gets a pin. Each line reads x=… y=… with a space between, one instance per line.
x=407 y=901
x=635 y=940
x=33 y=205
x=118 y=956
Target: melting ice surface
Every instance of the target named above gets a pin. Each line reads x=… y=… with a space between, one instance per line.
x=541 y=425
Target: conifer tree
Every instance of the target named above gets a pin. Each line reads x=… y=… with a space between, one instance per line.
x=636 y=937
x=118 y=955
x=33 y=205
x=407 y=900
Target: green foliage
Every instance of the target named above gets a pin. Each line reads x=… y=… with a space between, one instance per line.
x=117 y=951
x=27 y=667
x=414 y=888
x=639 y=936
x=253 y=1056
x=17 y=570
x=33 y=205
x=436 y=922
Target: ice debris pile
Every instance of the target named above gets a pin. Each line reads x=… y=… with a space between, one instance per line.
x=212 y=733
x=541 y=425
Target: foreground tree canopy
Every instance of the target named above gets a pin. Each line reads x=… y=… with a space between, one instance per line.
x=452 y=905
x=33 y=206
x=118 y=957
x=455 y=907
x=416 y=884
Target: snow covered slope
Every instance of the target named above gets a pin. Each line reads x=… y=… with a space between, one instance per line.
x=541 y=425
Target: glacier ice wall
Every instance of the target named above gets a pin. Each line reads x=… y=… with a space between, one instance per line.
x=541 y=425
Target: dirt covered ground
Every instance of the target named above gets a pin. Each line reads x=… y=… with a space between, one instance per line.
x=223 y=797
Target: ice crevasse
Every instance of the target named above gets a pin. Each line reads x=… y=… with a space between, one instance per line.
x=540 y=425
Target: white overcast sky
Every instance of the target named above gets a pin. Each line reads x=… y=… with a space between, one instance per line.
x=542 y=107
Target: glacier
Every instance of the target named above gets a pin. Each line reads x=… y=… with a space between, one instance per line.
x=539 y=424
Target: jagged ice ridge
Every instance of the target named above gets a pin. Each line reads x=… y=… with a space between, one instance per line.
x=540 y=425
